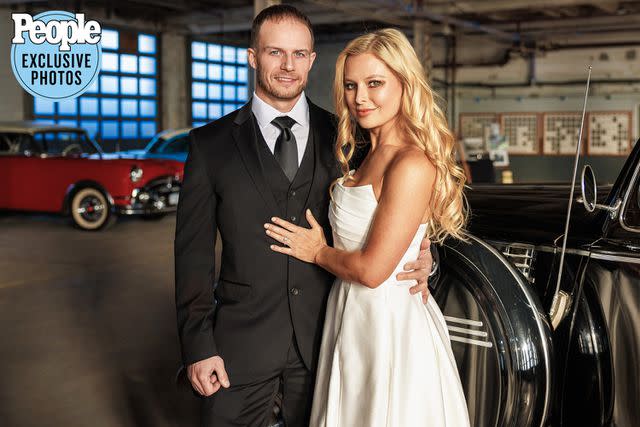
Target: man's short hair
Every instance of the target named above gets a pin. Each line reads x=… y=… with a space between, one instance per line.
x=277 y=13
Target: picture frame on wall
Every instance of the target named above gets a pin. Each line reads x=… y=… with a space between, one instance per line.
x=609 y=133
x=560 y=132
x=476 y=125
x=521 y=132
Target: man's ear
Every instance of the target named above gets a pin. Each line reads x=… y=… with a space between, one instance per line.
x=251 y=56
x=312 y=57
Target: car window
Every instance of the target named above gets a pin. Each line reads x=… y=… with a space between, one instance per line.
x=155 y=144
x=179 y=144
x=12 y=144
x=631 y=214
x=61 y=143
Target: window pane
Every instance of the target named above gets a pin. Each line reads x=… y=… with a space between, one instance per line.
x=214 y=52
x=227 y=108
x=147 y=87
x=243 y=93
x=42 y=106
x=128 y=63
x=215 y=91
x=215 y=72
x=229 y=73
x=91 y=126
x=109 y=39
x=243 y=76
x=229 y=93
x=88 y=106
x=129 y=85
x=68 y=107
x=93 y=88
x=146 y=43
x=109 y=84
x=109 y=107
x=198 y=124
x=70 y=123
x=242 y=56
x=198 y=90
x=199 y=70
x=198 y=50
x=110 y=129
x=129 y=129
x=215 y=111
x=44 y=121
x=147 y=108
x=129 y=107
x=199 y=110
x=147 y=65
x=229 y=54
x=147 y=129
x=109 y=61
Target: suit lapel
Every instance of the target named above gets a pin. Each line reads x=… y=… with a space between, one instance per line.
x=323 y=143
x=244 y=134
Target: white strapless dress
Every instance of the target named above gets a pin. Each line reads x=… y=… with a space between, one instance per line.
x=385 y=359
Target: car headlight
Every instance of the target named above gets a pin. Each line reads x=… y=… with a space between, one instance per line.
x=136 y=174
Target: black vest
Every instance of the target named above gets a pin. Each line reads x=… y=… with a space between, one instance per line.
x=290 y=197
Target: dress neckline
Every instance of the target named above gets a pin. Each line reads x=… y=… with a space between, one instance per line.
x=355 y=186
x=370 y=186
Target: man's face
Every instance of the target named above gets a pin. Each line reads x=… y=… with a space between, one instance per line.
x=282 y=59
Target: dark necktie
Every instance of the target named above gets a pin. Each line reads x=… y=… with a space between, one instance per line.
x=286 y=150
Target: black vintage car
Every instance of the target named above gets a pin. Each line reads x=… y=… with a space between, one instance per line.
x=533 y=350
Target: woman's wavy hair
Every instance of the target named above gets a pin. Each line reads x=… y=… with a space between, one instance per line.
x=419 y=118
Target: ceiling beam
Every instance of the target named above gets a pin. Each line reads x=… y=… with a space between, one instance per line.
x=240 y=19
x=607 y=6
x=394 y=13
x=487 y=6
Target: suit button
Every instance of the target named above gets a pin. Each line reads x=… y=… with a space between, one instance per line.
x=293 y=219
x=292 y=194
x=294 y=291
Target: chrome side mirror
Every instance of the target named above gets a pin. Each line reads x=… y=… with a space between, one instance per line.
x=588 y=188
x=589 y=195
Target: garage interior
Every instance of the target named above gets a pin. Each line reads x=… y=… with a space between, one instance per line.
x=511 y=75
x=519 y=65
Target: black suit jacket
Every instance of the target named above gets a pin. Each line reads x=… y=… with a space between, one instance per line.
x=257 y=312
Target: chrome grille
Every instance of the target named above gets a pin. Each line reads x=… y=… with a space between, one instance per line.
x=522 y=256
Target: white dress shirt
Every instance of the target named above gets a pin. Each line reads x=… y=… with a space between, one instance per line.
x=265 y=113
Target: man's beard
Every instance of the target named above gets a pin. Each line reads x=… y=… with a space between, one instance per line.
x=275 y=91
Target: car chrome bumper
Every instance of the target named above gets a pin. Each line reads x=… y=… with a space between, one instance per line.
x=158 y=196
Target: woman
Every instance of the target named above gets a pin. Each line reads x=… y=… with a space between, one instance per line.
x=385 y=359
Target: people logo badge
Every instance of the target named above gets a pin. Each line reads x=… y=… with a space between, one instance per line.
x=55 y=54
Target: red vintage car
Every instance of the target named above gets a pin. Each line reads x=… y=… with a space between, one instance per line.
x=51 y=168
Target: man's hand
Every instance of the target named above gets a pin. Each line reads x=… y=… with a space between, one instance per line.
x=419 y=270
x=208 y=375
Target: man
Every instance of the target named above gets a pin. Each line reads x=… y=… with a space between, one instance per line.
x=274 y=156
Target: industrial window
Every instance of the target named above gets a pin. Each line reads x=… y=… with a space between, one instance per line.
x=120 y=109
x=219 y=81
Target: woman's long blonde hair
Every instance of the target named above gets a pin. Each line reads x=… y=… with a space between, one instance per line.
x=419 y=118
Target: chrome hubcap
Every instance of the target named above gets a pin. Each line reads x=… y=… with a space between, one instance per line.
x=91 y=208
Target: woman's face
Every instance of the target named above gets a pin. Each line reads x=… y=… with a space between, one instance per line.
x=373 y=93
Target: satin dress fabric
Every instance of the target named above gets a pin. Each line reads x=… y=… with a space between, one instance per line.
x=385 y=358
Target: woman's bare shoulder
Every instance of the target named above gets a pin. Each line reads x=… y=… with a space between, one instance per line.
x=410 y=164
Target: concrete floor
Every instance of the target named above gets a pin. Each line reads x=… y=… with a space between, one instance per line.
x=88 y=325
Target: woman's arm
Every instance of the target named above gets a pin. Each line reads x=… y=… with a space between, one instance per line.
x=404 y=198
